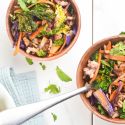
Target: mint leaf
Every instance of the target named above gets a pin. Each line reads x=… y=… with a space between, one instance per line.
x=54 y=116
x=52 y=89
x=64 y=77
x=42 y=66
x=29 y=61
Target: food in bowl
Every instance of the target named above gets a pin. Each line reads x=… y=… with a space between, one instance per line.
x=105 y=70
x=42 y=28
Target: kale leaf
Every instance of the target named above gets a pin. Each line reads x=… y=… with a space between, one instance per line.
x=43 y=12
x=26 y=23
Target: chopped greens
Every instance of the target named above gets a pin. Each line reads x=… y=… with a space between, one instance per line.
x=42 y=66
x=118 y=50
x=41 y=53
x=59 y=42
x=54 y=116
x=64 y=77
x=29 y=61
x=52 y=89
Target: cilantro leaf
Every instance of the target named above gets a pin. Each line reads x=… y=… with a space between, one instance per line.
x=42 y=66
x=54 y=116
x=29 y=61
x=64 y=77
x=52 y=89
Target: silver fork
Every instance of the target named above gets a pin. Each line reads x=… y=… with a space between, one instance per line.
x=21 y=114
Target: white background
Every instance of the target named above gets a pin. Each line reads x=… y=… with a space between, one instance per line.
x=108 y=20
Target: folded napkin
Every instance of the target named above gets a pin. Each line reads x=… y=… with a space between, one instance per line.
x=23 y=89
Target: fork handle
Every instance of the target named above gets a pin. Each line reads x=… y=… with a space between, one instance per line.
x=21 y=114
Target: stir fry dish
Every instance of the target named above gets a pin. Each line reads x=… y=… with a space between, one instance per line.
x=42 y=28
x=105 y=70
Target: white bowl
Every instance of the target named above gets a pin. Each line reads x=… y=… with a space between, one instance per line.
x=6 y=100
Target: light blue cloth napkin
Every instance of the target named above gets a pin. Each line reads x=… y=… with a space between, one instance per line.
x=23 y=89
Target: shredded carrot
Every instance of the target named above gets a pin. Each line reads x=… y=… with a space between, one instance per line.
x=118 y=58
x=115 y=82
x=33 y=35
x=113 y=95
x=38 y=22
x=97 y=70
x=109 y=46
x=18 y=44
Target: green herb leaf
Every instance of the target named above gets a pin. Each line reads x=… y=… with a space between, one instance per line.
x=121 y=113
x=59 y=42
x=122 y=33
x=105 y=63
x=42 y=66
x=64 y=77
x=41 y=53
x=101 y=110
x=29 y=61
x=54 y=116
x=52 y=89
x=123 y=106
x=119 y=49
x=23 y=5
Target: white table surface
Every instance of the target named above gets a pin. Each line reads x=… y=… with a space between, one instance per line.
x=108 y=20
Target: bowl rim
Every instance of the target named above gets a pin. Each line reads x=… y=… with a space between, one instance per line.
x=65 y=51
x=84 y=99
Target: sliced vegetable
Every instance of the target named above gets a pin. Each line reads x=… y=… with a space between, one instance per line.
x=34 y=34
x=117 y=58
x=63 y=76
x=18 y=44
x=101 y=97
